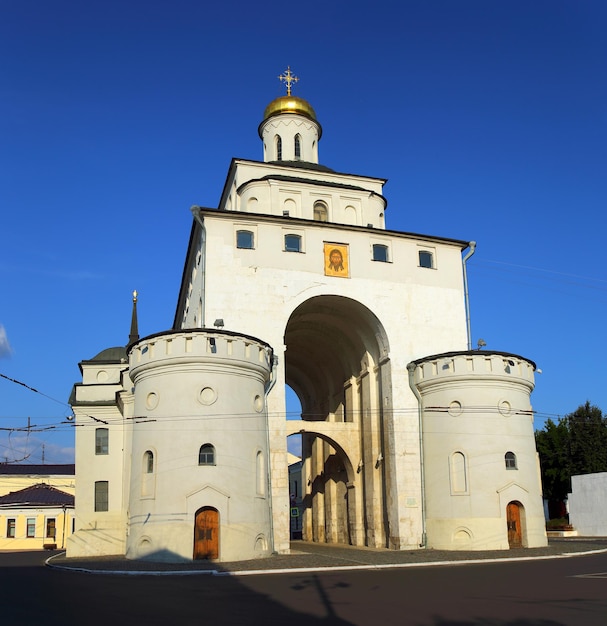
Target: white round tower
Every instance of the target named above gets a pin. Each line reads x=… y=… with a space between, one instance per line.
x=482 y=486
x=199 y=479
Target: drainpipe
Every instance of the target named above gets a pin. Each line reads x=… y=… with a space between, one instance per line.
x=269 y=388
x=203 y=262
x=472 y=248
x=411 y=369
x=64 y=527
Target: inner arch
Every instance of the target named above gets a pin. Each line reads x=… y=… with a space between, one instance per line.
x=337 y=363
x=330 y=340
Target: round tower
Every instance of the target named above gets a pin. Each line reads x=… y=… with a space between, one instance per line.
x=482 y=487
x=290 y=130
x=199 y=478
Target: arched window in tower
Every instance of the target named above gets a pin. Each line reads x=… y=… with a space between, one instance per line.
x=278 y=148
x=260 y=474
x=321 y=213
x=206 y=455
x=148 y=486
x=148 y=462
x=510 y=460
x=297 y=147
x=459 y=479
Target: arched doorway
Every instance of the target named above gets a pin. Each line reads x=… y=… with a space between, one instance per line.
x=206 y=533
x=337 y=363
x=513 y=520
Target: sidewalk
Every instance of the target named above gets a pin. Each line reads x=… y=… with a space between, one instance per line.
x=307 y=556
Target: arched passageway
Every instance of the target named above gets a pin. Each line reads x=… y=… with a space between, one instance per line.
x=337 y=362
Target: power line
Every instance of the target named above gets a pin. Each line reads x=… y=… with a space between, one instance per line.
x=18 y=382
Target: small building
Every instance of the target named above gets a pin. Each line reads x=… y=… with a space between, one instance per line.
x=588 y=505
x=35 y=518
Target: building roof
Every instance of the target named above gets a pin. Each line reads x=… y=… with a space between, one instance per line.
x=289 y=104
x=37 y=495
x=61 y=469
x=116 y=354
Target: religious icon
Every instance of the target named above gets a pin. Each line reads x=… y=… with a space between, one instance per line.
x=336 y=260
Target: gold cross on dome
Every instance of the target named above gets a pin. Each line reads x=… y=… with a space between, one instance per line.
x=288 y=78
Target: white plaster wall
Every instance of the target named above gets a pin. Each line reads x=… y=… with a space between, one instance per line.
x=251 y=180
x=421 y=309
x=99 y=532
x=588 y=504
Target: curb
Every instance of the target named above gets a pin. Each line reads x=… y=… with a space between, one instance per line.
x=308 y=570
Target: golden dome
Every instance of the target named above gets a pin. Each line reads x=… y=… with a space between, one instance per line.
x=289 y=104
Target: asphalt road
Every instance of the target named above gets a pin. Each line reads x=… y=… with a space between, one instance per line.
x=570 y=591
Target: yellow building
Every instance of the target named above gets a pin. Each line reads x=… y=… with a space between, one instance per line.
x=36 y=505
x=35 y=518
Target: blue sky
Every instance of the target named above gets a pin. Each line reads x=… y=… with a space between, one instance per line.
x=488 y=118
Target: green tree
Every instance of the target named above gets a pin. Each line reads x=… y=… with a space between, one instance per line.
x=588 y=440
x=576 y=444
x=553 y=448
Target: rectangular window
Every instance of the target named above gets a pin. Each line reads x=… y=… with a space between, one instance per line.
x=51 y=528
x=426 y=259
x=292 y=243
x=101 y=495
x=10 y=528
x=31 y=527
x=101 y=441
x=380 y=252
x=245 y=239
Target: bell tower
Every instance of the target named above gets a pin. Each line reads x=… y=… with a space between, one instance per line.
x=289 y=130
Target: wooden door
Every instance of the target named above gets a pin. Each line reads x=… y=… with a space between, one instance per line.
x=513 y=516
x=206 y=534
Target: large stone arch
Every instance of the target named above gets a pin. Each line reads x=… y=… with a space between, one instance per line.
x=337 y=362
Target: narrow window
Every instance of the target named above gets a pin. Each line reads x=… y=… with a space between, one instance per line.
x=245 y=239
x=261 y=481
x=31 y=527
x=101 y=495
x=51 y=528
x=321 y=214
x=10 y=528
x=459 y=480
x=278 y=148
x=292 y=243
x=380 y=252
x=297 y=147
x=148 y=462
x=101 y=441
x=425 y=259
x=148 y=486
x=510 y=459
x=206 y=455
